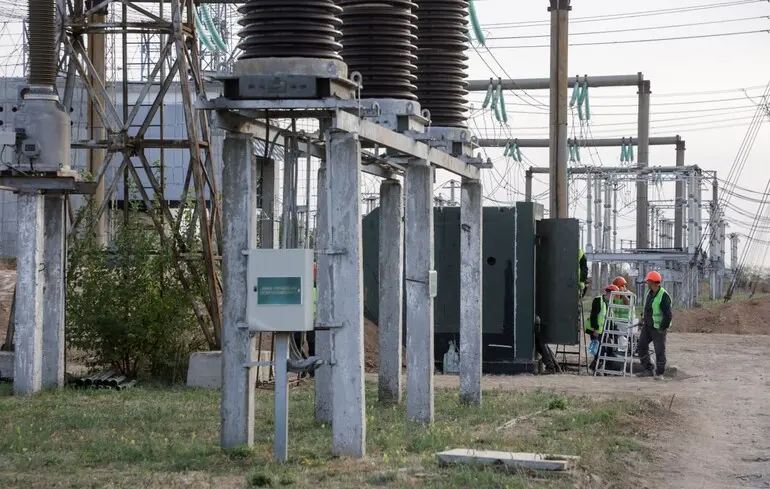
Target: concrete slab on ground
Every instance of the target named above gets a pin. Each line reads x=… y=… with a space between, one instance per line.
x=535 y=461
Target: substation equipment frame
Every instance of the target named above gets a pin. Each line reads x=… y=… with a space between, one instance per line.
x=681 y=264
x=643 y=136
x=354 y=133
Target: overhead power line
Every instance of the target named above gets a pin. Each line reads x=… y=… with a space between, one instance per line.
x=637 y=29
x=633 y=41
x=628 y=15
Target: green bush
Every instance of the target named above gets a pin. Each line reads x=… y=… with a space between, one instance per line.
x=125 y=306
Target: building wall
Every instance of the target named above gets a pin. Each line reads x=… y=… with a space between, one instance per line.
x=175 y=160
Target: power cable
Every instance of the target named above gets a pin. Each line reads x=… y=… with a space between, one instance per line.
x=634 y=41
x=637 y=29
x=630 y=15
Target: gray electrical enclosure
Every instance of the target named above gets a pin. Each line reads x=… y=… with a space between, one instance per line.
x=517 y=248
x=557 y=280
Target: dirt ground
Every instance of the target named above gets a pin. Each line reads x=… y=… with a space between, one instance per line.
x=748 y=316
x=719 y=434
x=7 y=284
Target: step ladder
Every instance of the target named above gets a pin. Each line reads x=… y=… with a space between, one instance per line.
x=617 y=328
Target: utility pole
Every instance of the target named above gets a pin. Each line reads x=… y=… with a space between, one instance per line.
x=560 y=10
x=643 y=158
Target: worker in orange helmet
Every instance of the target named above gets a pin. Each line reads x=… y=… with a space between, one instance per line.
x=621 y=284
x=594 y=326
x=656 y=320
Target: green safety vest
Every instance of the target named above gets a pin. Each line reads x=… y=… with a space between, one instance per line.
x=581 y=254
x=622 y=313
x=315 y=300
x=600 y=319
x=657 y=314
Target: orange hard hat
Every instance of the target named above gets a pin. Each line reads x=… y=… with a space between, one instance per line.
x=619 y=281
x=611 y=288
x=654 y=277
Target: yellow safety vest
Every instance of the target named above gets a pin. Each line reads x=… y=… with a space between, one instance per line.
x=600 y=319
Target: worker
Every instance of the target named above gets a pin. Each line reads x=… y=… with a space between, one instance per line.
x=594 y=326
x=656 y=320
x=621 y=284
x=583 y=279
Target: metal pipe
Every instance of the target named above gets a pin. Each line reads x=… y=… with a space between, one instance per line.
x=588 y=143
x=589 y=217
x=687 y=170
x=615 y=217
x=545 y=83
x=528 y=186
x=680 y=198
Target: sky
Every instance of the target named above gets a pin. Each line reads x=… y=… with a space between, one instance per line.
x=704 y=90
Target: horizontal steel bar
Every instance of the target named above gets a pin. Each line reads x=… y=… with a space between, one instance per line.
x=370 y=131
x=585 y=143
x=233 y=122
x=545 y=83
x=638 y=257
x=329 y=104
x=582 y=170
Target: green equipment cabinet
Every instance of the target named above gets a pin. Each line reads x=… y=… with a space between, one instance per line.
x=517 y=243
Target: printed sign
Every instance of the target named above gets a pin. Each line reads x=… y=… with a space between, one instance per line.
x=279 y=291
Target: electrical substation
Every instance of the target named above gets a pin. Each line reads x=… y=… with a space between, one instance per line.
x=340 y=90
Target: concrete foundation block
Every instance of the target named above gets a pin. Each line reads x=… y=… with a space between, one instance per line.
x=6 y=365
x=205 y=369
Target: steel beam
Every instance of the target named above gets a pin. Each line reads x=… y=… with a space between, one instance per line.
x=375 y=133
x=232 y=121
x=638 y=257
x=599 y=170
x=545 y=83
x=585 y=143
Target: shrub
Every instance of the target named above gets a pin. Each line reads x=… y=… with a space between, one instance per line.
x=125 y=306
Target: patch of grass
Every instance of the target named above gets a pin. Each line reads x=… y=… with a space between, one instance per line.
x=152 y=437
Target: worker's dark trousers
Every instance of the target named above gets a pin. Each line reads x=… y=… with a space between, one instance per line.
x=658 y=339
x=310 y=338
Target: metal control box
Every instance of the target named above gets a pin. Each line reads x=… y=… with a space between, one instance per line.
x=280 y=290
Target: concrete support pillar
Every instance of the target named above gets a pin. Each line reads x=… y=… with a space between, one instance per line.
x=323 y=345
x=419 y=300
x=643 y=158
x=239 y=204
x=343 y=208
x=680 y=201
x=269 y=203
x=29 y=295
x=391 y=290
x=471 y=231
x=54 y=290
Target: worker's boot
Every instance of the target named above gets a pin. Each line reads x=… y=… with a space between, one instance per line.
x=647 y=372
